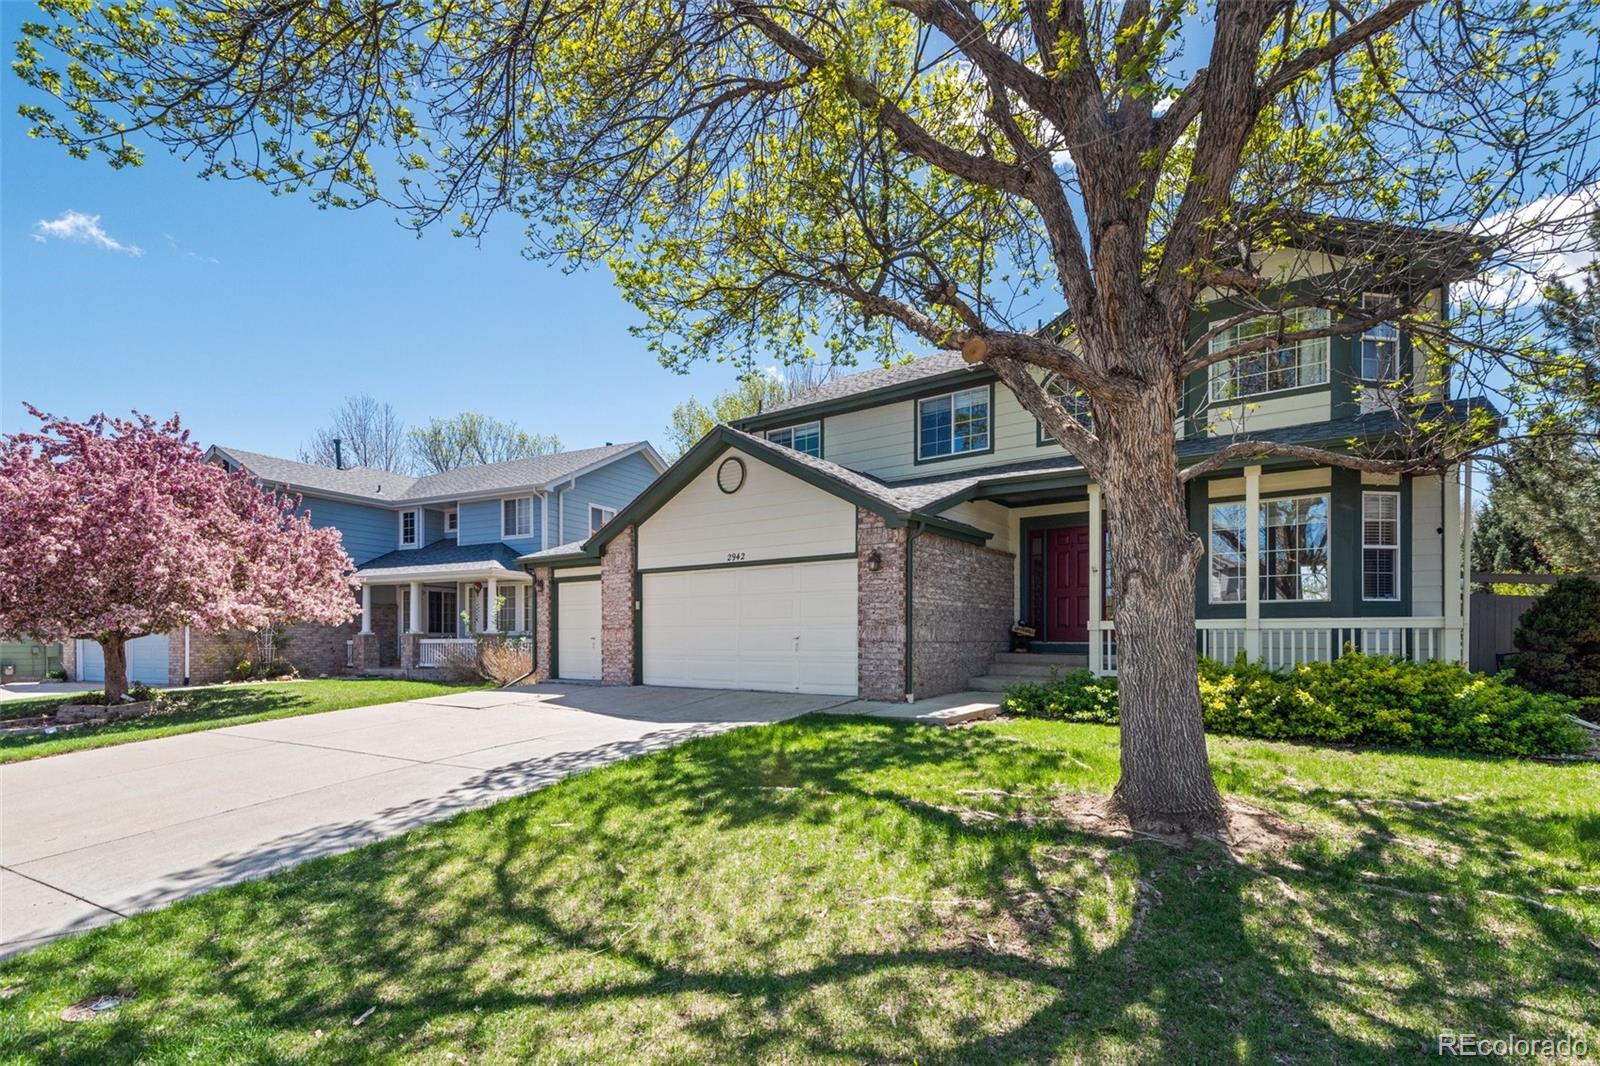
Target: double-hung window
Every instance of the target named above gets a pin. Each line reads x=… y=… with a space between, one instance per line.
x=505 y=619
x=516 y=518
x=599 y=516
x=408 y=529
x=1380 y=545
x=1286 y=364
x=1291 y=546
x=451 y=522
x=956 y=423
x=1069 y=396
x=1380 y=346
x=806 y=438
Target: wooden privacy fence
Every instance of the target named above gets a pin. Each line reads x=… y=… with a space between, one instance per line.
x=1495 y=617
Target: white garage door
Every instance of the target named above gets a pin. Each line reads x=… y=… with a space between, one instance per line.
x=578 y=630
x=147 y=660
x=784 y=628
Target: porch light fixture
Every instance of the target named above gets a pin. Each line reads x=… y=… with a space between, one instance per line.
x=874 y=560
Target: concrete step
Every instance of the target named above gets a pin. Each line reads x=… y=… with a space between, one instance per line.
x=1066 y=660
x=1036 y=670
x=998 y=682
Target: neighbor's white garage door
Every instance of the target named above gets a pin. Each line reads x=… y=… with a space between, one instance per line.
x=147 y=660
x=783 y=628
x=578 y=630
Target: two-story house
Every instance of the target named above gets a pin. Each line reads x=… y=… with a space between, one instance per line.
x=879 y=536
x=436 y=557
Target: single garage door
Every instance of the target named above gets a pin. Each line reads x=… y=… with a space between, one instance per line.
x=147 y=660
x=578 y=630
x=784 y=628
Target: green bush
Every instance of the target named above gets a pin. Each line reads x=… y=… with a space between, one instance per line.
x=1558 y=640
x=1356 y=699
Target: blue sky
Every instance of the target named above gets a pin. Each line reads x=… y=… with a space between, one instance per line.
x=252 y=316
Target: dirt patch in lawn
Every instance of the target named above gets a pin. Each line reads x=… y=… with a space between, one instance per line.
x=1252 y=831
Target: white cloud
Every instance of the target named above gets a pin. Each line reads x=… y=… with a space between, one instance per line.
x=82 y=228
x=187 y=253
x=1549 y=241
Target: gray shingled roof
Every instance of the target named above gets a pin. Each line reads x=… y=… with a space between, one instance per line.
x=874 y=379
x=398 y=488
x=574 y=547
x=442 y=555
x=862 y=483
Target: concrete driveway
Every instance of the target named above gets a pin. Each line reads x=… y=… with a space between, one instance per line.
x=89 y=837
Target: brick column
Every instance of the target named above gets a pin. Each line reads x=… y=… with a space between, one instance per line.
x=616 y=611
x=544 y=666
x=368 y=655
x=880 y=609
x=410 y=651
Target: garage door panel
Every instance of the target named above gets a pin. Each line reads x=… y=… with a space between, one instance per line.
x=736 y=627
x=147 y=659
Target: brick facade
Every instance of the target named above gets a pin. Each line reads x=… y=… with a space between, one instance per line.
x=617 y=616
x=880 y=609
x=69 y=659
x=544 y=666
x=960 y=612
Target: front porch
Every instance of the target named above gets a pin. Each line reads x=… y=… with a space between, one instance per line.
x=1065 y=594
x=415 y=624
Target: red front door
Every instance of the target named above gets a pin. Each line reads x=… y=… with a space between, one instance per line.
x=1067 y=584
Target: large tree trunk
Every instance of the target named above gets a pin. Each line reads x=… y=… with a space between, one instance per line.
x=1166 y=782
x=115 y=652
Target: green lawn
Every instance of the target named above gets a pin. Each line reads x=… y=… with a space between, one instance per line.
x=847 y=890
x=208 y=708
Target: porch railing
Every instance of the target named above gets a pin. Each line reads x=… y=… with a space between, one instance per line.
x=1281 y=643
x=432 y=652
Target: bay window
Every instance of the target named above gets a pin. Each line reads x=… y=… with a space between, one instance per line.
x=1380 y=545
x=1291 y=547
x=1291 y=364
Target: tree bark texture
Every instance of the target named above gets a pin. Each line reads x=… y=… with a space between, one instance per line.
x=115 y=652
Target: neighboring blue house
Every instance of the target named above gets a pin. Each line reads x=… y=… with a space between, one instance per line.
x=436 y=554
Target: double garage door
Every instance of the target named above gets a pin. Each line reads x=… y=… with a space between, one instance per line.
x=147 y=660
x=789 y=627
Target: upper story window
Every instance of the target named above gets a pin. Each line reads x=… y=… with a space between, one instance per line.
x=806 y=438
x=1380 y=545
x=1068 y=395
x=408 y=529
x=956 y=423
x=1380 y=346
x=1291 y=546
x=516 y=518
x=1297 y=364
x=599 y=516
x=451 y=520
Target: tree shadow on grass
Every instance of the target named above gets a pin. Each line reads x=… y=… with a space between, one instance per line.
x=658 y=911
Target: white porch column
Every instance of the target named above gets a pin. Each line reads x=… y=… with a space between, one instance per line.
x=491 y=619
x=1097 y=584
x=521 y=602
x=1452 y=649
x=366 y=609
x=1252 y=562
x=415 y=625
x=1466 y=565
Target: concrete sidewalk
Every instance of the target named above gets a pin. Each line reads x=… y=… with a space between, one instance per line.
x=88 y=837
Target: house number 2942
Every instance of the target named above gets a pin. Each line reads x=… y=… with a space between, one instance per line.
x=735 y=557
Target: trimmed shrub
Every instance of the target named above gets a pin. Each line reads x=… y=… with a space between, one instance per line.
x=1357 y=699
x=1558 y=640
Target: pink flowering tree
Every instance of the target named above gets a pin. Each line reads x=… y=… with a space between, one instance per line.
x=117 y=528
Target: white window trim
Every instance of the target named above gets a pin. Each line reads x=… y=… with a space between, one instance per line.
x=1216 y=369
x=452 y=521
x=416 y=529
x=988 y=399
x=1261 y=526
x=1211 y=533
x=607 y=514
x=793 y=430
x=1399 y=537
x=506 y=534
